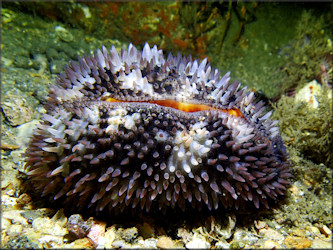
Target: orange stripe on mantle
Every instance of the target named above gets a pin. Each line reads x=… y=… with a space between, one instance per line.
x=183 y=106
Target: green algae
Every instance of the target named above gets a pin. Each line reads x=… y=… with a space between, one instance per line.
x=309 y=200
x=310 y=48
x=308 y=130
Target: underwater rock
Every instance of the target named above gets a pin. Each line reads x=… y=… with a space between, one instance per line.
x=63 y=34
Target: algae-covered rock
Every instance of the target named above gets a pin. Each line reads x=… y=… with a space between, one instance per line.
x=19 y=241
x=16 y=108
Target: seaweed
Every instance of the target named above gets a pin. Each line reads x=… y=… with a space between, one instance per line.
x=310 y=49
x=307 y=129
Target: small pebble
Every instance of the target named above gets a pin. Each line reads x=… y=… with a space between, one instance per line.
x=271 y=234
x=25 y=131
x=60 y=218
x=48 y=226
x=165 y=243
x=128 y=234
x=297 y=242
x=101 y=243
x=325 y=230
x=244 y=236
x=119 y=244
x=110 y=236
x=84 y=243
x=148 y=243
x=227 y=232
x=314 y=231
x=184 y=234
x=237 y=245
x=77 y=227
x=270 y=244
x=260 y=224
x=23 y=199
x=49 y=241
x=198 y=242
x=222 y=244
x=63 y=34
x=96 y=231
